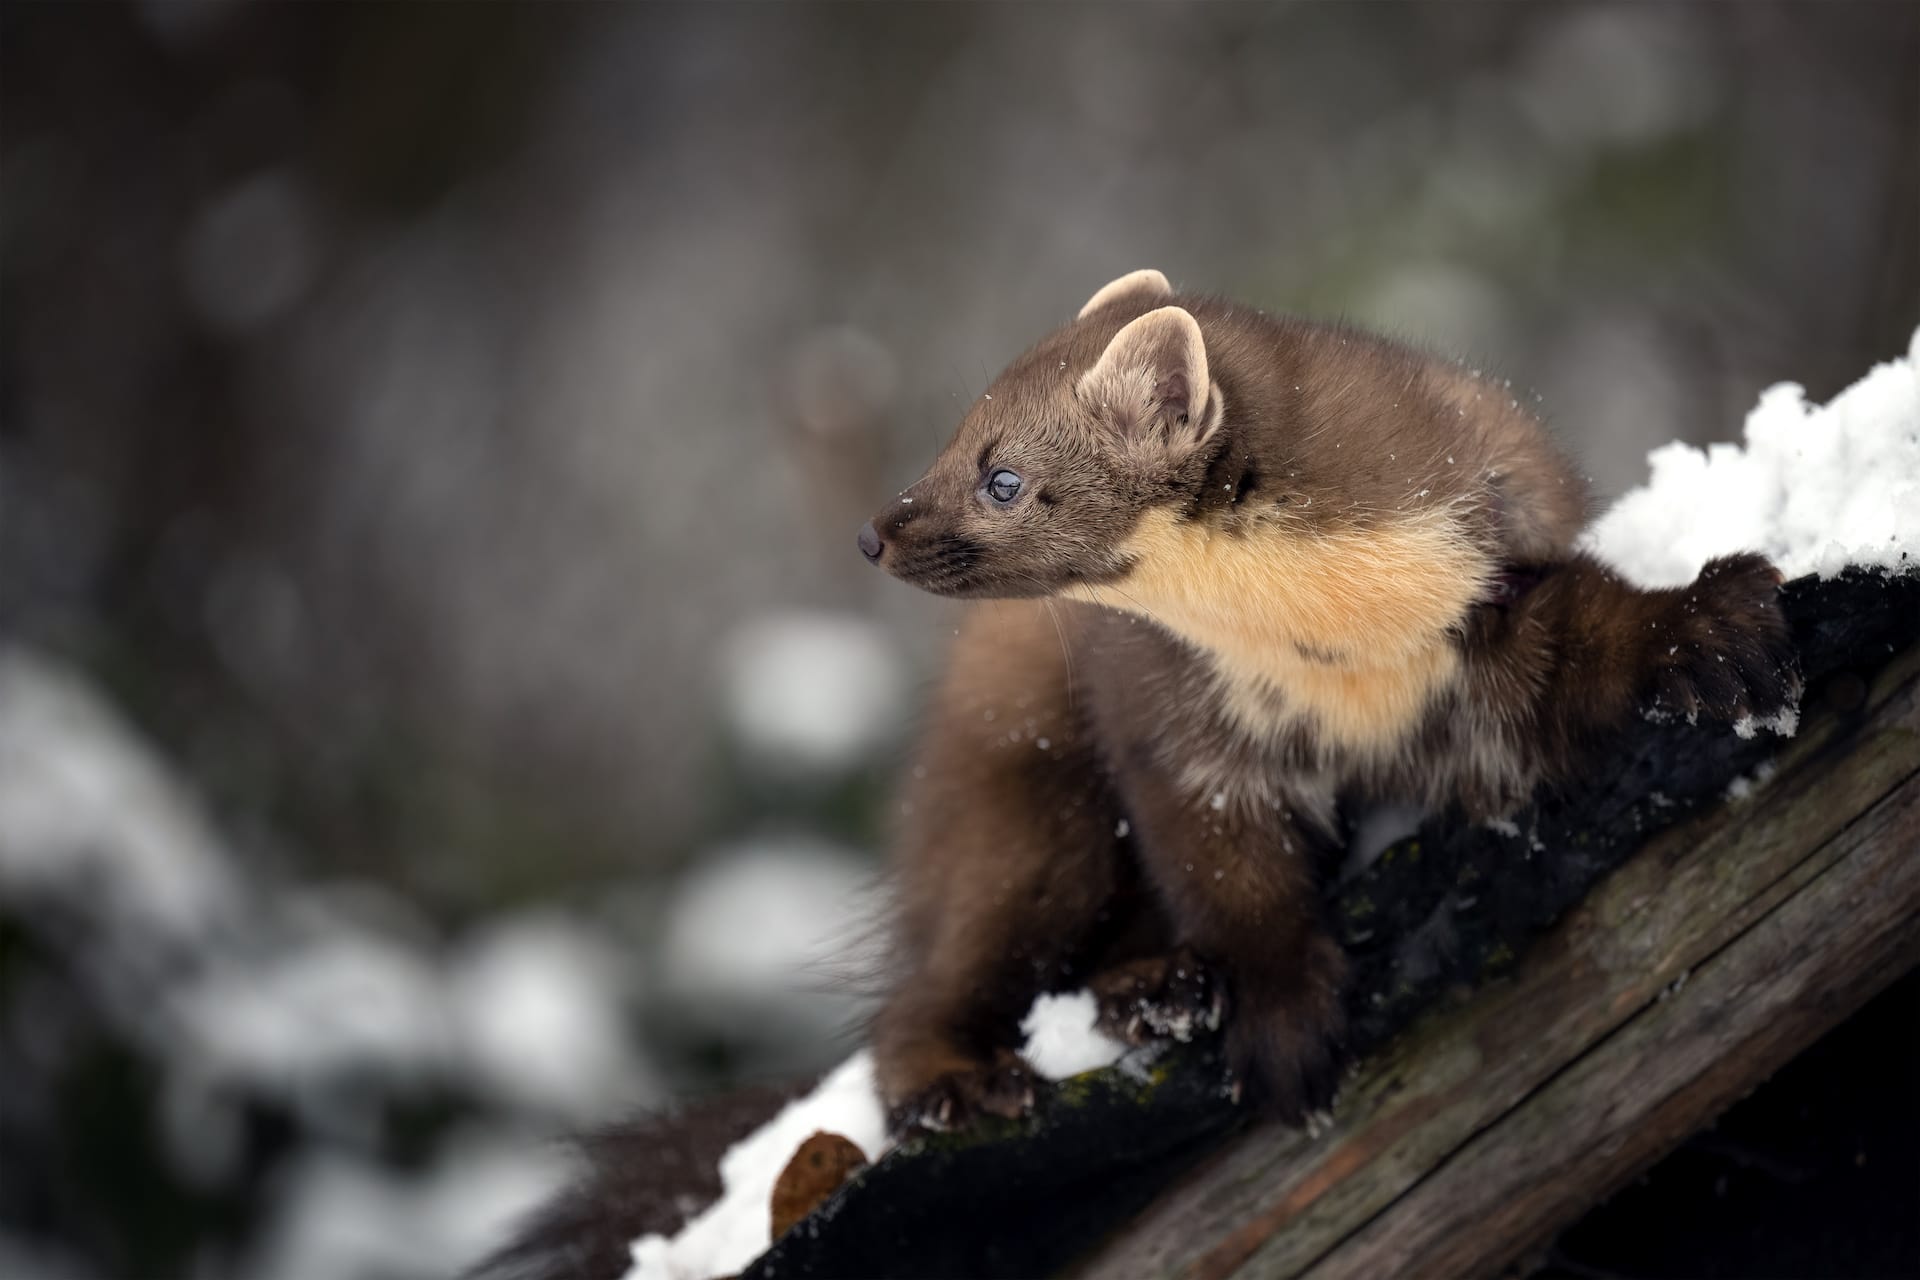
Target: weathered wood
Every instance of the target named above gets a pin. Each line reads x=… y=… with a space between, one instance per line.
x=1447 y=1080
x=1739 y=1016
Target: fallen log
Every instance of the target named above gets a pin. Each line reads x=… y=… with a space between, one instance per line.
x=1529 y=1040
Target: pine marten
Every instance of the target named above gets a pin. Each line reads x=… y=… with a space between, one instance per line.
x=1243 y=569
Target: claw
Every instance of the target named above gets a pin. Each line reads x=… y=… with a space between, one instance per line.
x=1002 y=1087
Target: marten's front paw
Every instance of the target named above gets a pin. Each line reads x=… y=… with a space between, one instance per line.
x=955 y=1099
x=1723 y=647
x=1284 y=1040
x=1170 y=997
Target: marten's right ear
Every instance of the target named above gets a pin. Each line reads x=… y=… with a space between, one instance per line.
x=1144 y=285
x=1151 y=384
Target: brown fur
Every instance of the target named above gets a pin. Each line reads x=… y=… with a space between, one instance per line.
x=1255 y=567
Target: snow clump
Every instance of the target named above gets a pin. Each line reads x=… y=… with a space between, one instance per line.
x=1815 y=488
x=1062 y=1040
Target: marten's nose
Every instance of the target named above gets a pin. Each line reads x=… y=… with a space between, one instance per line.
x=870 y=544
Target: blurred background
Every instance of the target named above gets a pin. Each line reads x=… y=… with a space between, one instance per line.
x=440 y=705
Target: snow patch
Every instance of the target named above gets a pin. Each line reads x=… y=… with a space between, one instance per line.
x=812 y=692
x=91 y=816
x=317 y=1011
x=759 y=923
x=1784 y=723
x=1061 y=1037
x=530 y=985
x=332 y=1000
x=343 y=1217
x=1814 y=488
x=1743 y=787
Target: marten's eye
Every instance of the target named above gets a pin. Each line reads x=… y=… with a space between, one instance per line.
x=1003 y=486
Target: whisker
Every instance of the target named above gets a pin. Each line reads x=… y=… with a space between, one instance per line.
x=1066 y=650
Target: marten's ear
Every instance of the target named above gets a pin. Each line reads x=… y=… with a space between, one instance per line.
x=1151 y=382
x=1144 y=285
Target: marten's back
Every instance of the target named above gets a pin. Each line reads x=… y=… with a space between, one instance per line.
x=1371 y=429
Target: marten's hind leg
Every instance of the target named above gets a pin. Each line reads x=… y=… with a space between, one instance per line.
x=1550 y=675
x=1008 y=861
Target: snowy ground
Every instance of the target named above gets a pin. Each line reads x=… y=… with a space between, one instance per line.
x=322 y=1003
x=338 y=1006
x=1814 y=487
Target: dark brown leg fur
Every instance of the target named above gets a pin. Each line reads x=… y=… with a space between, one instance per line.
x=1007 y=862
x=1585 y=651
x=1238 y=880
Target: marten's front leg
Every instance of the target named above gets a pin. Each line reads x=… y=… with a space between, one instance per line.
x=1005 y=873
x=1007 y=865
x=1237 y=876
x=1583 y=651
x=1172 y=995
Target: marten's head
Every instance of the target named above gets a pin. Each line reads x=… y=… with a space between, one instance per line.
x=1053 y=467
